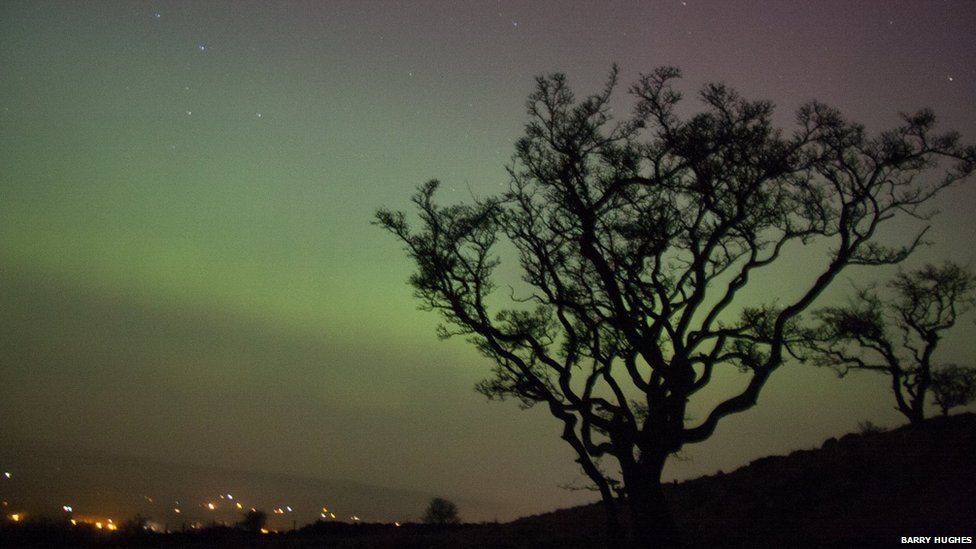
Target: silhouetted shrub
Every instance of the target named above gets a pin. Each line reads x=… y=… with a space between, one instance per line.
x=134 y=526
x=440 y=511
x=254 y=520
x=867 y=428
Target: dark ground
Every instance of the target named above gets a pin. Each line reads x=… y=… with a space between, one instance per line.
x=861 y=490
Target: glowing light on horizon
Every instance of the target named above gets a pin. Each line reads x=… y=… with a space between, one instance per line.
x=7 y=474
x=67 y=508
x=15 y=517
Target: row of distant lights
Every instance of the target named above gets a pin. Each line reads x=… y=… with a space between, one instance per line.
x=326 y=514
x=109 y=524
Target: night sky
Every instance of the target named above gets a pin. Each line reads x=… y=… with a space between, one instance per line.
x=188 y=272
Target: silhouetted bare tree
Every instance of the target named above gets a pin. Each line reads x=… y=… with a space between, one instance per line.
x=953 y=385
x=897 y=335
x=635 y=240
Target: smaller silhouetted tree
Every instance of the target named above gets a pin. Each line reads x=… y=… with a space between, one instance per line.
x=441 y=511
x=952 y=386
x=895 y=331
x=254 y=520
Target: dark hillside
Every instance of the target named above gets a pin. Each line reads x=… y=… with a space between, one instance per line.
x=863 y=488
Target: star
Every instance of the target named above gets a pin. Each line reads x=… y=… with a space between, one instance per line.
x=157 y=15
x=202 y=47
x=950 y=78
x=259 y=115
x=188 y=113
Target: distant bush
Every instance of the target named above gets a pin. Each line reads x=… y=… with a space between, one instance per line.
x=868 y=428
x=441 y=511
x=254 y=520
x=135 y=525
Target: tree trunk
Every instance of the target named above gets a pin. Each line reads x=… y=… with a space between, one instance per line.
x=650 y=518
x=917 y=412
x=614 y=533
x=651 y=522
x=910 y=403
